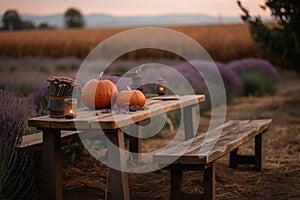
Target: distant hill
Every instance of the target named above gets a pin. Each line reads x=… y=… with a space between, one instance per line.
x=101 y=20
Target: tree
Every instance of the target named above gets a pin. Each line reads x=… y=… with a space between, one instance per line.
x=11 y=20
x=45 y=25
x=73 y=18
x=27 y=24
x=282 y=39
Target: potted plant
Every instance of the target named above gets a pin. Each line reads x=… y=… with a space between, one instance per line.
x=60 y=88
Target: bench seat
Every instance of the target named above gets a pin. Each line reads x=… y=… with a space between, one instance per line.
x=201 y=152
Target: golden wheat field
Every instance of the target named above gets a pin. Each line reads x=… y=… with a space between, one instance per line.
x=222 y=42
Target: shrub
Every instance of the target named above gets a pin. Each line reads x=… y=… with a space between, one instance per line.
x=16 y=179
x=259 y=77
x=256 y=84
x=232 y=84
x=40 y=99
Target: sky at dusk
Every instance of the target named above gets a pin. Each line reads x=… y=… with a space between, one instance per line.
x=134 y=7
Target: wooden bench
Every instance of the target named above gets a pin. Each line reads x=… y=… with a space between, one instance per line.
x=34 y=142
x=201 y=152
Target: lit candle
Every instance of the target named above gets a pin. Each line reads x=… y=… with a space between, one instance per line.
x=70 y=108
x=161 y=87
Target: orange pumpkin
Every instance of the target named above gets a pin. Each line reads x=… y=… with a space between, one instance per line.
x=99 y=93
x=130 y=98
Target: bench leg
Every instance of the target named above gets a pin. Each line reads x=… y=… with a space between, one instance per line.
x=233 y=160
x=209 y=182
x=256 y=159
x=176 y=184
x=258 y=153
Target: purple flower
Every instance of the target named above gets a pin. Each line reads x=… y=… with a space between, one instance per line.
x=14 y=112
x=15 y=164
x=191 y=71
x=40 y=99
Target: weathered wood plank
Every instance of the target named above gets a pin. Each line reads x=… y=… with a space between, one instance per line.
x=34 y=142
x=229 y=142
x=160 y=107
x=170 y=154
x=87 y=118
x=194 y=151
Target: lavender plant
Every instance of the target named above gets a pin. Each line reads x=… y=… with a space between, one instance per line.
x=16 y=179
x=40 y=99
x=191 y=71
x=233 y=85
x=259 y=77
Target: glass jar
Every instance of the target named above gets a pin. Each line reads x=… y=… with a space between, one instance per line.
x=70 y=108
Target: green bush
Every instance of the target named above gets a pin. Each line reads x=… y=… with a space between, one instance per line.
x=259 y=77
x=256 y=84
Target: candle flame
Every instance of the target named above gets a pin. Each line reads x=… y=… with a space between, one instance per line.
x=71 y=111
x=161 y=88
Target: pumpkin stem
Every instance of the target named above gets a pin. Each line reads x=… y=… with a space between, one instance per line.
x=128 y=88
x=100 y=76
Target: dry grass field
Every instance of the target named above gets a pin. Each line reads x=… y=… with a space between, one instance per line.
x=223 y=42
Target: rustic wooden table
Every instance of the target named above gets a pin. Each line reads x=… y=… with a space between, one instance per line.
x=111 y=126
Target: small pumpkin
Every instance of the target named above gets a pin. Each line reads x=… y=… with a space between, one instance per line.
x=99 y=93
x=130 y=98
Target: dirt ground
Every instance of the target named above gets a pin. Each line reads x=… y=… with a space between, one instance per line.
x=280 y=178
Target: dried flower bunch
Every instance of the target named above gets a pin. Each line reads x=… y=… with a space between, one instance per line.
x=62 y=86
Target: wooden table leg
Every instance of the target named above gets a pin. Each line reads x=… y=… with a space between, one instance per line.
x=52 y=164
x=118 y=180
x=209 y=182
x=134 y=140
x=176 y=184
x=191 y=121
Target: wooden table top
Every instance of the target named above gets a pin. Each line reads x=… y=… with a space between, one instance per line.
x=91 y=119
